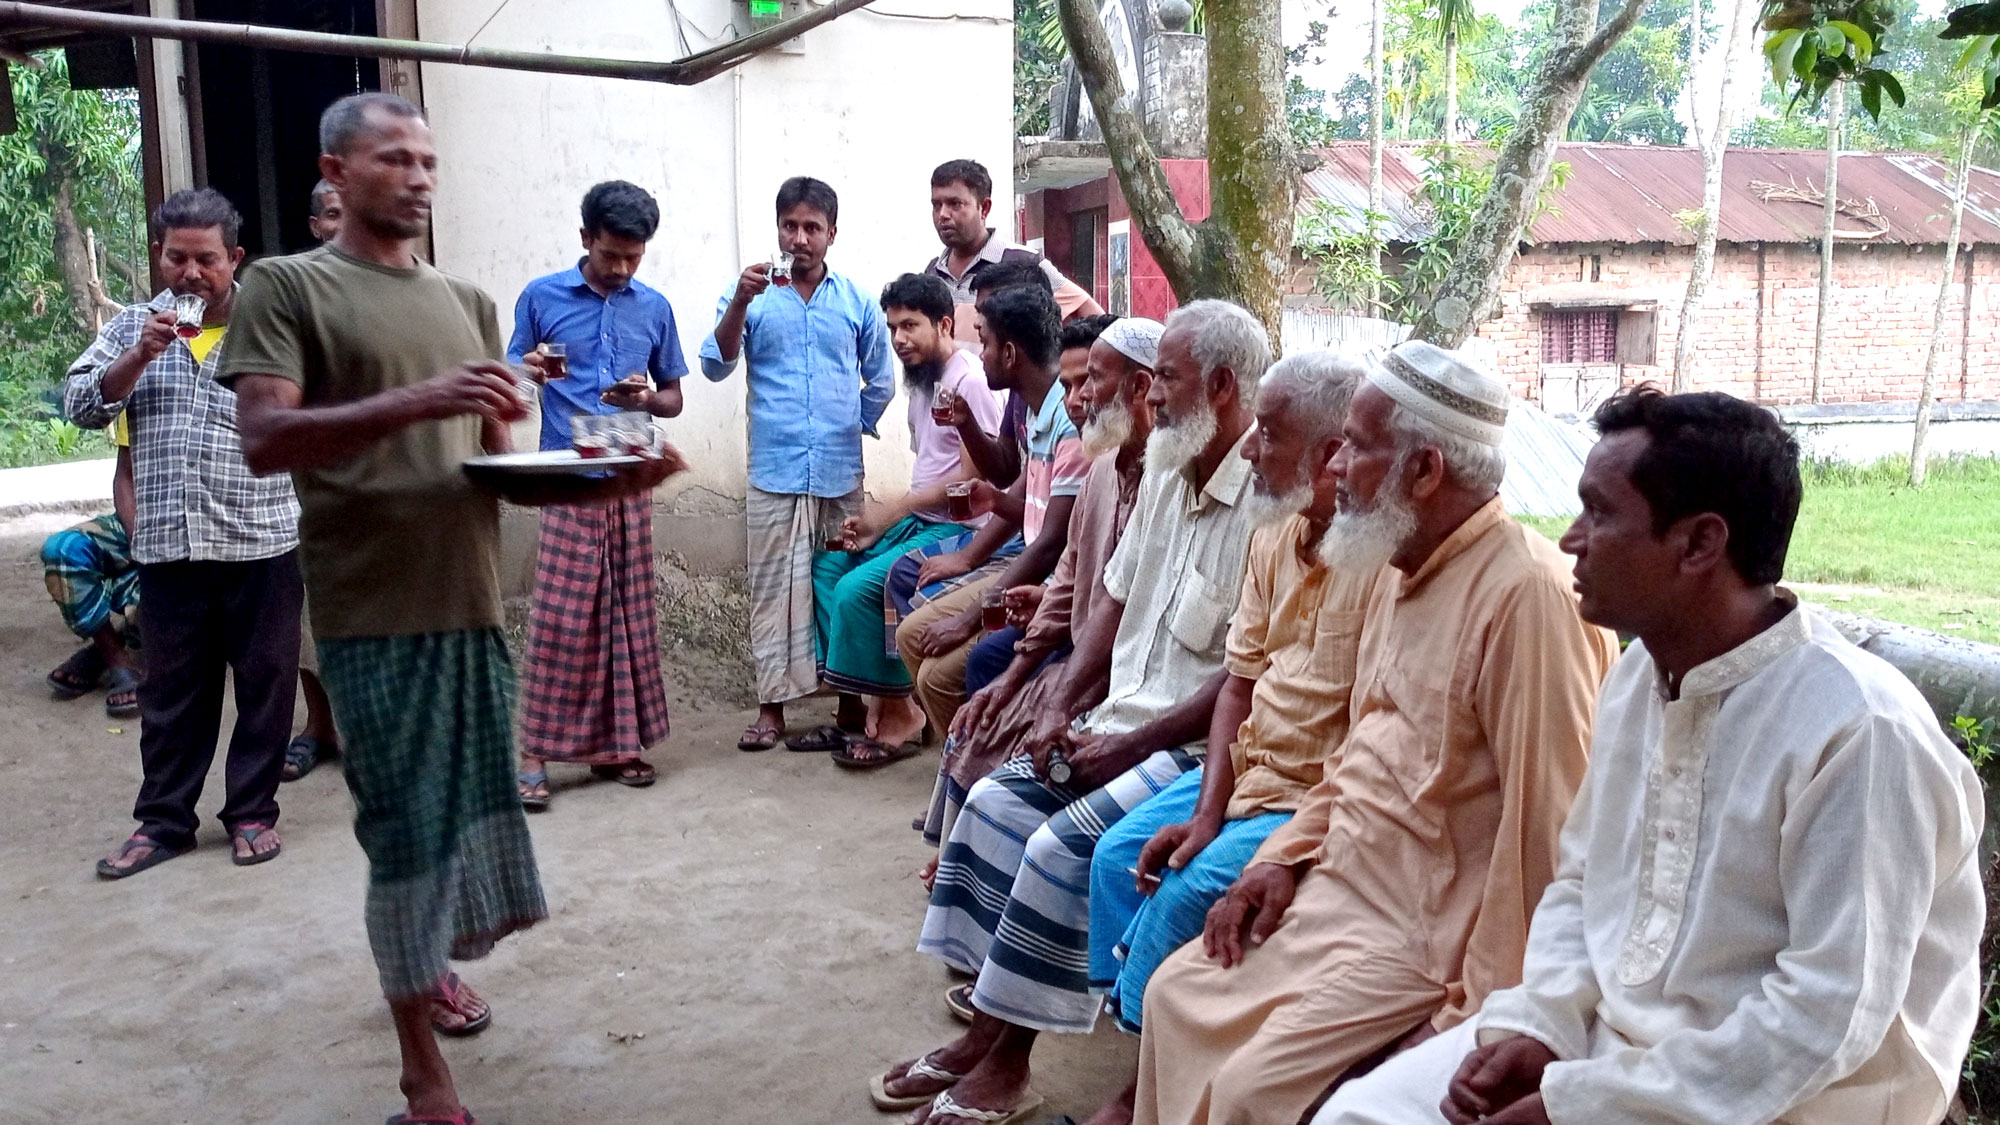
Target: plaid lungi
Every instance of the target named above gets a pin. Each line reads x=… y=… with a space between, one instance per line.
x=90 y=573
x=591 y=687
x=426 y=722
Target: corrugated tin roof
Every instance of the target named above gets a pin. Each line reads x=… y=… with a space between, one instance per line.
x=1632 y=193
x=1544 y=461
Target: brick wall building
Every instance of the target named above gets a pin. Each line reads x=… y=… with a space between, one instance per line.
x=1593 y=300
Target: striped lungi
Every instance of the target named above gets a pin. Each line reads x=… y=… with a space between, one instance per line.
x=1011 y=901
x=429 y=755
x=901 y=588
x=591 y=687
x=785 y=528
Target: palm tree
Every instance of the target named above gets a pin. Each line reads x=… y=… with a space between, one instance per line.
x=1454 y=19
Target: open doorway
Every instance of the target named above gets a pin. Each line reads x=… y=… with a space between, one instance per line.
x=254 y=114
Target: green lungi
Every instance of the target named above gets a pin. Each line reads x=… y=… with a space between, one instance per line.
x=426 y=723
x=856 y=644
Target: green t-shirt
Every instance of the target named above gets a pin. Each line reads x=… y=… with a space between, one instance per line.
x=394 y=541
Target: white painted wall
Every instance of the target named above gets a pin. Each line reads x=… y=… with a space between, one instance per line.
x=878 y=98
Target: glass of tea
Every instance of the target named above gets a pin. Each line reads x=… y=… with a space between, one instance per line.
x=635 y=433
x=941 y=406
x=593 y=435
x=958 y=498
x=556 y=361
x=188 y=311
x=781 y=268
x=993 y=609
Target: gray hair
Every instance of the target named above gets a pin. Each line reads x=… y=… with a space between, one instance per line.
x=1226 y=335
x=346 y=120
x=1469 y=464
x=320 y=191
x=1317 y=386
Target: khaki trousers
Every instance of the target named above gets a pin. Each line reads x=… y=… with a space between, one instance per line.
x=940 y=680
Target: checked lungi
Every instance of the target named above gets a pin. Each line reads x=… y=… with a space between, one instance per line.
x=591 y=687
x=90 y=573
x=1011 y=899
x=429 y=756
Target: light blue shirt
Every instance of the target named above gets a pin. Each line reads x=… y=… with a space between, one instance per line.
x=820 y=377
x=606 y=339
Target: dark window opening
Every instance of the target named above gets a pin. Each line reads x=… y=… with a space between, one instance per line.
x=1580 y=336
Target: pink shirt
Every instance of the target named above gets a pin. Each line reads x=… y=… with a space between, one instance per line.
x=938 y=447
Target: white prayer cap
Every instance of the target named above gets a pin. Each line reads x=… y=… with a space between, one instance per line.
x=1136 y=338
x=1445 y=388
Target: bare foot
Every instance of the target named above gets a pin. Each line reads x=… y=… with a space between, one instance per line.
x=897 y=721
x=1118 y=1111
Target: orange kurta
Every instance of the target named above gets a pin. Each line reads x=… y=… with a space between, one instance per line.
x=1428 y=843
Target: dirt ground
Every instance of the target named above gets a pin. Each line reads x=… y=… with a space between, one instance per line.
x=731 y=945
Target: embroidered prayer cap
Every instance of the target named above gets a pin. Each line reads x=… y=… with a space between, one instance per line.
x=1445 y=388
x=1136 y=338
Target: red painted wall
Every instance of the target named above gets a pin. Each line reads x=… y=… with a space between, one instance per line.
x=1045 y=215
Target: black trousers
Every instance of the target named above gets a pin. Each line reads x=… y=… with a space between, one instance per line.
x=200 y=619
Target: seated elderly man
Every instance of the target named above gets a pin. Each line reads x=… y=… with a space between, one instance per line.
x=1111 y=399
x=1398 y=897
x=1282 y=712
x=1010 y=900
x=1716 y=947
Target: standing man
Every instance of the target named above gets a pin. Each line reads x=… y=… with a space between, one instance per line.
x=820 y=377
x=961 y=202
x=592 y=693
x=372 y=377
x=216 y=548
x=324 y=216
x=1715 y=947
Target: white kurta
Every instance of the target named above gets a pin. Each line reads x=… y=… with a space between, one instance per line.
x=1768 y=908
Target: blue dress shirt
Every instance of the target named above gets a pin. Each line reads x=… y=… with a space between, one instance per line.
x=607 y=339
x=819 y=376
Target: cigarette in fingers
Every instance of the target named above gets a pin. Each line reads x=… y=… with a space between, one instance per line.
x=1146 y=875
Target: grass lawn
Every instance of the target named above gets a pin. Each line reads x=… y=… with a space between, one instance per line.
x=1868 y=543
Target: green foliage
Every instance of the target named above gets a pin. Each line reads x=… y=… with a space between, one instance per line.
x=83 y=145
x=1340 y=243
x=1633 y=93
x=1305 y=107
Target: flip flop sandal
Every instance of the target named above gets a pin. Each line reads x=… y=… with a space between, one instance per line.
x=958 y=1001
x=450 y=992
x=622 y=774
x=160 y=854
x=879 y=754
x=121 y=693
x=248 y=833
x=83 y=673
x=759 y=738
x=302 y=755
x=943 y=1106
x=878 y=1086
x=462 y=1117
x=819 y=740
x=536 y=780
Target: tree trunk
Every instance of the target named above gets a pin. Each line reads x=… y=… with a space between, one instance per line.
x=1470 y=290
x=1242 y=251
x=1836 y=109
x=1450 y=130
x=1714 y=147
x=1378 y=91
x=88 y=305
x=1928 y=394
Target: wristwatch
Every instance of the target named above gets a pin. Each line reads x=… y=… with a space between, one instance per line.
x=1058 y=767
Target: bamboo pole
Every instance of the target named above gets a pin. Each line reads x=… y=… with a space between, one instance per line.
x=685 y=71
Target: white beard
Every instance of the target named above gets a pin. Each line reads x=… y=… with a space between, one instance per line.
x=1263 y=508
x=1108 y=428
x=1363 y=542
x=1170 y=448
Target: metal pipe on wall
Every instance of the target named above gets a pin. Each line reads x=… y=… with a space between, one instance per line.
x=687 y=71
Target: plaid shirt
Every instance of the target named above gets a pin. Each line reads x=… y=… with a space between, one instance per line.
x=198 y=501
